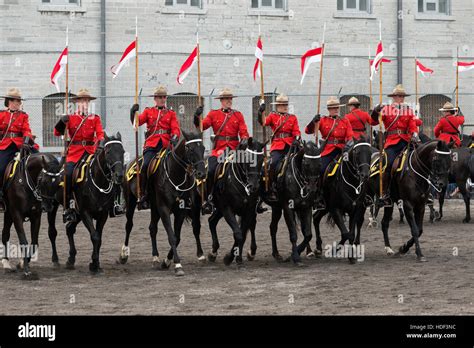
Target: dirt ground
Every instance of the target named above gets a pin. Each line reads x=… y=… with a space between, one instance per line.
x=378 y=285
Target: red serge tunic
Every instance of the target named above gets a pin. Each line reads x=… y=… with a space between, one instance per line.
x=341 y=133
x=234 y=127
x=287 y=133
x=164 y=129
x=86 y=138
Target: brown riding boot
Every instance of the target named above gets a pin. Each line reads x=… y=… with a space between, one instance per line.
x=208 y=206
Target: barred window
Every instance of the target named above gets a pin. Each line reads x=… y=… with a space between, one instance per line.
x=52 y=110
x=257 y=128
x=184 y=104
x=62 y=2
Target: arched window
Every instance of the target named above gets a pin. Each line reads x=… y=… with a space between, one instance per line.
x=363 y=99
x=52 y=110
x=185 y=104
x=429 y=111
x=257 y=128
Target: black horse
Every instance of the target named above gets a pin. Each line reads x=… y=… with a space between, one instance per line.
x=94 y=196
x=236 y=193
x=344 y=191
x=297 y=190
x=189 y=200
x=24 y=200
x=173 y=191
x=459 y=172
x=426 y=167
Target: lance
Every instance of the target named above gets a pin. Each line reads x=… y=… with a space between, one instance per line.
x=380 y=122
x=316 y=128
x=199 y=96
x=262 y=100
x=66 y=111
x=370 y=96
x=137 y=154
x=457 y=78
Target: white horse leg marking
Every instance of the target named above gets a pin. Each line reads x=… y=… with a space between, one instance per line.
x=389 y=251
x=178 y=265
x=125 y=252
x=156 y=259
x=6 y=264
x=201 y=258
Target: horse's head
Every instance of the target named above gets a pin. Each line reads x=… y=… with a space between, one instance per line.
x=111 y=151
x=254 y=160
x=440 y=159
x=194 y=152
x=311 y=163
x=359 y=156
x=48 y=181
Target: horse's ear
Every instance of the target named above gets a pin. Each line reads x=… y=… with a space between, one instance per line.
x=118 y=136
x=451 y=144
x=185 y=135
x=250 y=141
x=44 y=162
x=106 y=137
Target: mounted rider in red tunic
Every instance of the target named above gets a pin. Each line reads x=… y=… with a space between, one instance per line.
x=85 y=132
x=447 y=128
x=229 y=129
x=359 y=119
x=162 y=130
x=286 y=133
x=15 y=133
x=400 y=128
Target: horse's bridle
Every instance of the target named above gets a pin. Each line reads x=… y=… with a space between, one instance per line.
x=107 y=176
x=425 y=168
x=354 y=169
x=302 y=181
x=187 y=166
x=246 y=172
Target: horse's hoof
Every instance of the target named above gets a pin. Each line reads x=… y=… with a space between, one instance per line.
x=299 y=263
x=466 y=220
x=122 y=260
x=6 y=266
x=95 y=268
x=70 y=265
x=165 y=264
x=202 y=259
x=389 y=251
x=30 y=276
x=19 y=266
x=250 y=257
x=352 y=260
x=212 y=257
x=278 y=258
x=311 y=255
x=178 y=271
x=56 y=265
x=421 y=259
x=401 y=251
x=228 y=258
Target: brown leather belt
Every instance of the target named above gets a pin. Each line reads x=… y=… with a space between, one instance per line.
x=335 y=141
x=451 y=133
x=226 y=138
x=11 y=135
x=283 y=135
x=83 y=142
x=359 y=129
x=397 y=132
x=161 y=132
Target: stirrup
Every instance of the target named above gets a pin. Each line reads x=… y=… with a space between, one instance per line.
x=260 y=209
x=117 y=210
x=207 y=208
x=385 y=201
x=70 y=216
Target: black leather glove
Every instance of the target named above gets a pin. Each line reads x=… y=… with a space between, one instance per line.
x=199 y=111
x=133 y=111
x=261 y=109
x=376 y=112
x=348 y=145
x=316 y=118
x=174 y=140
x=244 y=142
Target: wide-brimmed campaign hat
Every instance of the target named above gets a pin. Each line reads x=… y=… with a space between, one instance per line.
x=399 y=90
x=225 y=93
x=354 y=101
x=159 y=91
x=333 y=102
x=83 y=94
x=12 y=93
x=281 y=99
x=448 y=107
